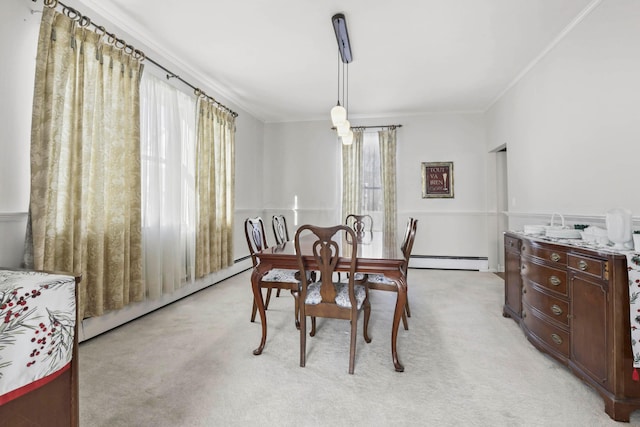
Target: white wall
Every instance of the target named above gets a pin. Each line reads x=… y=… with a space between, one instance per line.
x=572 y=124
x=18 y=41
x=306 y=157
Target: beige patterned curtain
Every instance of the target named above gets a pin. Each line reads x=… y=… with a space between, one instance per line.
x=352 y=176
x=215 y=163
x=85 y=164
x=387 y=140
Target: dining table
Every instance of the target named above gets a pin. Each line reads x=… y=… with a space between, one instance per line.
x=377 y=253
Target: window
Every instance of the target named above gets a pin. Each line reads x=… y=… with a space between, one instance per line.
x=372 y=194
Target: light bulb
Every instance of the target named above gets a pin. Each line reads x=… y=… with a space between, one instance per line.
x=343 y=128
x=338 y=114
x=348 y=138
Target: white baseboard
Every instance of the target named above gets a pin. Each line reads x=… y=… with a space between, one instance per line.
x=450 y=263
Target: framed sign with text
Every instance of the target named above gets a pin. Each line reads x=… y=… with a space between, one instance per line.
x=437 y=180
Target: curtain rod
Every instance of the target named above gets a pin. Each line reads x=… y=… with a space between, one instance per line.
x=84 y=21
x=373 y=127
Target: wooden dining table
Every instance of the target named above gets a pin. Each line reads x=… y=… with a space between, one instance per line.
x=376 y=255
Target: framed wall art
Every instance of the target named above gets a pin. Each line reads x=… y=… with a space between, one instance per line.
x=437 y=180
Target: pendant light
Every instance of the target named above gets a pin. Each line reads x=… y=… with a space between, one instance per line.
x=348 y=138
x=339 y=112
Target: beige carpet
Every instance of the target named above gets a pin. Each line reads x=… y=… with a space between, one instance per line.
x=191 y=364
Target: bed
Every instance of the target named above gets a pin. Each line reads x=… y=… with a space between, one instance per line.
x=38 y=349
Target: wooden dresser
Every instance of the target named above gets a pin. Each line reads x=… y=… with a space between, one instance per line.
x=573 y=304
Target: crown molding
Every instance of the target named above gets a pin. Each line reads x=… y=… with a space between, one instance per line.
x=165 y=57
x=574 y=23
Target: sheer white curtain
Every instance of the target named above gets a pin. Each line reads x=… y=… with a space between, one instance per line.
x=167 y=129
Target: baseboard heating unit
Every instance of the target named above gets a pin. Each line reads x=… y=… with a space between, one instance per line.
x=449 y=262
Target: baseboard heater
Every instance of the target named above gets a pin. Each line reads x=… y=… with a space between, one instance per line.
x=449 y=262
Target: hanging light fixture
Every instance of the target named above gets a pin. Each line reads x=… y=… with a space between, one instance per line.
x=348 y=138
x=339 y=112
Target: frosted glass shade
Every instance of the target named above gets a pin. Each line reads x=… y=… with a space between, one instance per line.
x=348 y=138
x=343 y=128
x=338 y=115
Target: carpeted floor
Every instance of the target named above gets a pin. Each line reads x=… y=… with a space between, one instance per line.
x=191 y=364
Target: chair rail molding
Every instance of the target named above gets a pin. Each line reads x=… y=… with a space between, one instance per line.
x=13 y=216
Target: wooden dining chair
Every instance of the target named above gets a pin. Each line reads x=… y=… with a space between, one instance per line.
x=280 y=230
x=276 y=278
x=382 y=283
x=327 y=298
x=361 y=224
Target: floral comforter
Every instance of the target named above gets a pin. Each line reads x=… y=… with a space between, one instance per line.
x=37 y=319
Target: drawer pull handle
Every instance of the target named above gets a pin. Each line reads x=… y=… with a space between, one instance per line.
x=555 y=257
x=556 y=310
x=555 y=281
x=582 y=265
x=556 y=339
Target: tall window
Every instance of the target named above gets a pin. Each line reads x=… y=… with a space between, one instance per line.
x=369 y=178
x=372 y=194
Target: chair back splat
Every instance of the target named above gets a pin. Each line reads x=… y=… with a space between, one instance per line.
x=361 y=224
x=280 y=230
x=328 y=247
x=256 y=239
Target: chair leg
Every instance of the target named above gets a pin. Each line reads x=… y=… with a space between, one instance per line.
x=313 y=327
x=278 y=293
x=254 y=310
x=404 y=321
x=406 y=308
x=365 y=328
x=352 y=347
x=266 y=301
x=303 y=339
x=296 y=299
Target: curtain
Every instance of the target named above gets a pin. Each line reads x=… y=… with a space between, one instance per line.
x=215 y=163
x=85 y=164
x=352 y=176
x=167 y=129
x=387 y=140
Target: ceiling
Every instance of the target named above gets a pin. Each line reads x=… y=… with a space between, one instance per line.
x=278 y=59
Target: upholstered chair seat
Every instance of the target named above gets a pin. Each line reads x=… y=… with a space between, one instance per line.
x=342 y=294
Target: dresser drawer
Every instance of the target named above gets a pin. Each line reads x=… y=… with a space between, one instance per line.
x=554 y=256
x=547 y=277
x=556 y=309
x=554 y=337
x=595 y=267
x=512 y=244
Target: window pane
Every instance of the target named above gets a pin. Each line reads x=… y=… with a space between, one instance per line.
x=372 y=200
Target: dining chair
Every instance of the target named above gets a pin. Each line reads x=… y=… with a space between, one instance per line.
x=326 y=298
x=361 y=224
x=276 y=278
x=280 y=230
x=382 y=283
